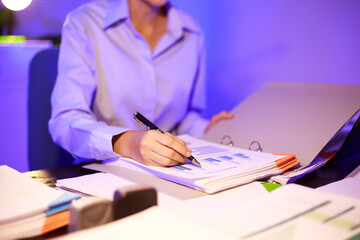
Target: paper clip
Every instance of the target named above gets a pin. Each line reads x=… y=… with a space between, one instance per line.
x=229 y=141
x=258 y=149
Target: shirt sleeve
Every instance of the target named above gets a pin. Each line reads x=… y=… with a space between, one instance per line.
x=73 y=125
x=194 y=123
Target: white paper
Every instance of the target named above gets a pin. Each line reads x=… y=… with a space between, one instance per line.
x=152 y=223
x=202 y=209
x=105 y=184
x=290 y=212
x=25 y=204
x=22 y=196
x=97 y=184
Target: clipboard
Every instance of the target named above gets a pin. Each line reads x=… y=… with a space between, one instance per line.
x=288 y=117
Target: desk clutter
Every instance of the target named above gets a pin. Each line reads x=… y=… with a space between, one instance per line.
x=29 y=208
x=134 y=211
x=288 y=212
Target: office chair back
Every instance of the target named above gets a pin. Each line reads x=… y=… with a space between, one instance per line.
x=42 y=151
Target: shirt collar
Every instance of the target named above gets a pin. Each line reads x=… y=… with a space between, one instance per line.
x=118 y=10
x=178 y=22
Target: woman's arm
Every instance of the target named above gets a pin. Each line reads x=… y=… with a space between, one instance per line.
x=73 y=125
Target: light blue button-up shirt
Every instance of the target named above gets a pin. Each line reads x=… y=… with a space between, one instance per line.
x=107 y=71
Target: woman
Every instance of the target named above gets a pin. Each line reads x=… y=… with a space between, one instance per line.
x=121 y=56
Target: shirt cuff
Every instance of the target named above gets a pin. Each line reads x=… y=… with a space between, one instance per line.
x=102 y=140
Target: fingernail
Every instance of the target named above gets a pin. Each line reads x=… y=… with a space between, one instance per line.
x=188 y=153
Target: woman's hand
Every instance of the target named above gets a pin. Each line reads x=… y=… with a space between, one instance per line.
x=152 y=148
x=217 y=118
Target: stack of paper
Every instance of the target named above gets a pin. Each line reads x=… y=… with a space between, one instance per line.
x=289 y=212
x=29 y=208
x=222 y=167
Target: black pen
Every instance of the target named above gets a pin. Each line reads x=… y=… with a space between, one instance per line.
x=140 y=118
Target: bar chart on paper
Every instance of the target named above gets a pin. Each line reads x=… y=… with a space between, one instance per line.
x=214 y=159
x=217 y=160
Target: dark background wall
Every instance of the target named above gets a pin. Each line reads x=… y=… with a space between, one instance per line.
x=251 y=42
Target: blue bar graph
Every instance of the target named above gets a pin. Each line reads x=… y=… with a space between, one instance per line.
x=228 y=158
x=241 y=155
x=212 y=161
x=181 y=167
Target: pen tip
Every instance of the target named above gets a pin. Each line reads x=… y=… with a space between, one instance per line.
x=193 y=160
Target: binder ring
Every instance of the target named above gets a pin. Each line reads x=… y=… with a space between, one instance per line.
x=257 y=144
x=229 y=141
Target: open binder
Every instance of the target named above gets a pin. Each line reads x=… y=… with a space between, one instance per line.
x=222 y=167
x=291 y=117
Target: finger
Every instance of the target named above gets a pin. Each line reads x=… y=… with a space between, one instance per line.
x=161 y=161
x=168 y=153
x=228 y=115
x=222 y=115
x=179 y=140
x=217 y=118
x=175 y=143
x=154 y=142
x=154 y=159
